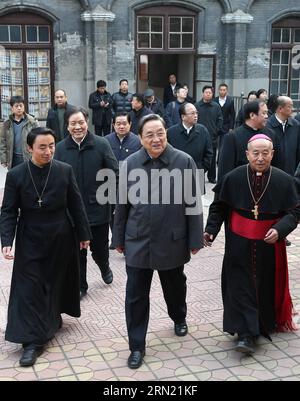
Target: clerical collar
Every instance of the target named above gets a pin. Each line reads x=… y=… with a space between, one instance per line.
x=188 y=129
x=258 y=173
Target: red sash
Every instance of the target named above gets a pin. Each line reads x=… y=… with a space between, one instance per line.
x=256 y=230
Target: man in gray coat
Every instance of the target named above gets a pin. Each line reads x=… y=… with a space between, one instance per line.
x=158 y=229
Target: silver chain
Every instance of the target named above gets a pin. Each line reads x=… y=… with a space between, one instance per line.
x=40 y=201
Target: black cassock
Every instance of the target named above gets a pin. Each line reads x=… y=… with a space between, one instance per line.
x=248 y=274
x=45 y=279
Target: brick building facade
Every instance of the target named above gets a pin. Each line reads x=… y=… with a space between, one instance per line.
x=71 y=44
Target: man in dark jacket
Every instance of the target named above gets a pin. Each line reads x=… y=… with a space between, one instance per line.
x=153 y=103
x=101 y=104
x=123 y=143
x=287 y=130
x=227 y=106
x=56 y=115
x=156 y=236
x=122 y=99
x=88 y=154
x=170 y=89
x=139 y=110
x=233 y=153
x=192 y=138
x=210 y=115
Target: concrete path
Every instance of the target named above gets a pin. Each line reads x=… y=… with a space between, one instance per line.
x=95 y=347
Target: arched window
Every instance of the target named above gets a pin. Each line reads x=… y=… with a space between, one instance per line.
x=284 y=74
x=26 y=62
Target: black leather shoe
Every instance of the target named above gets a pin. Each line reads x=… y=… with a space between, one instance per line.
x=287 y=242
x=181 y=329
x=30 y=355
x=135 y=359
x=212 y=181
x=111 y=246
x=107 y=276
x=82 y=293
x=245 y=345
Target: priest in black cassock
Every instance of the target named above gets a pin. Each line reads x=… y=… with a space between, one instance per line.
x=42 y=204
x=259 y=206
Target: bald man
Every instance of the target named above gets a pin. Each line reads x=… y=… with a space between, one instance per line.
x=287 y=130
x=258 y=215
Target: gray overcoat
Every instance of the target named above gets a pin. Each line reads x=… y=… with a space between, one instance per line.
x=157 y=236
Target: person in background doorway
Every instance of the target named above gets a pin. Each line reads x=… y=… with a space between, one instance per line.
x=170 y=90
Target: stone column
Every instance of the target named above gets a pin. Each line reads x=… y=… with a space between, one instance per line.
x=96 y=42
x=236 y=53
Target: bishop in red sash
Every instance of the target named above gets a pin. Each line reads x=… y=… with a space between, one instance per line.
x=259 y=205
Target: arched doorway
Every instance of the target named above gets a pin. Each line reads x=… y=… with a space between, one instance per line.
x=166 y=42
x=26 y=59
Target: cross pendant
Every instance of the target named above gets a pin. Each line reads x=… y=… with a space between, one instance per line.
x=255 y=211
x=40 y=202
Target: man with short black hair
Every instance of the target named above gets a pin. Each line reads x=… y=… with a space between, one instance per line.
x=100 y=102
x=13 y=135
x=210 y=115
x=234 y=147
x=43 y=206
x=122 y=99
x=139 y=110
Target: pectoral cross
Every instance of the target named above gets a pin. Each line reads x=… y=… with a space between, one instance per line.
x=255 y=211
x=40 y=202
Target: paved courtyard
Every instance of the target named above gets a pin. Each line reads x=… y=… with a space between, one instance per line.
x=95 y=346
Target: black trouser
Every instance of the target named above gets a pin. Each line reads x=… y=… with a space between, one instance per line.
x=99 y=250
x=103 y=129
x=211 y=173
x=137 y=304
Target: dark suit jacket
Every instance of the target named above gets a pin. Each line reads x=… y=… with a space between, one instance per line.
x=288 y=143
x=156 y=236
x=196 y=144
x=93 y=155
x=228 y=113
x=169 y=95
x=53 y=122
